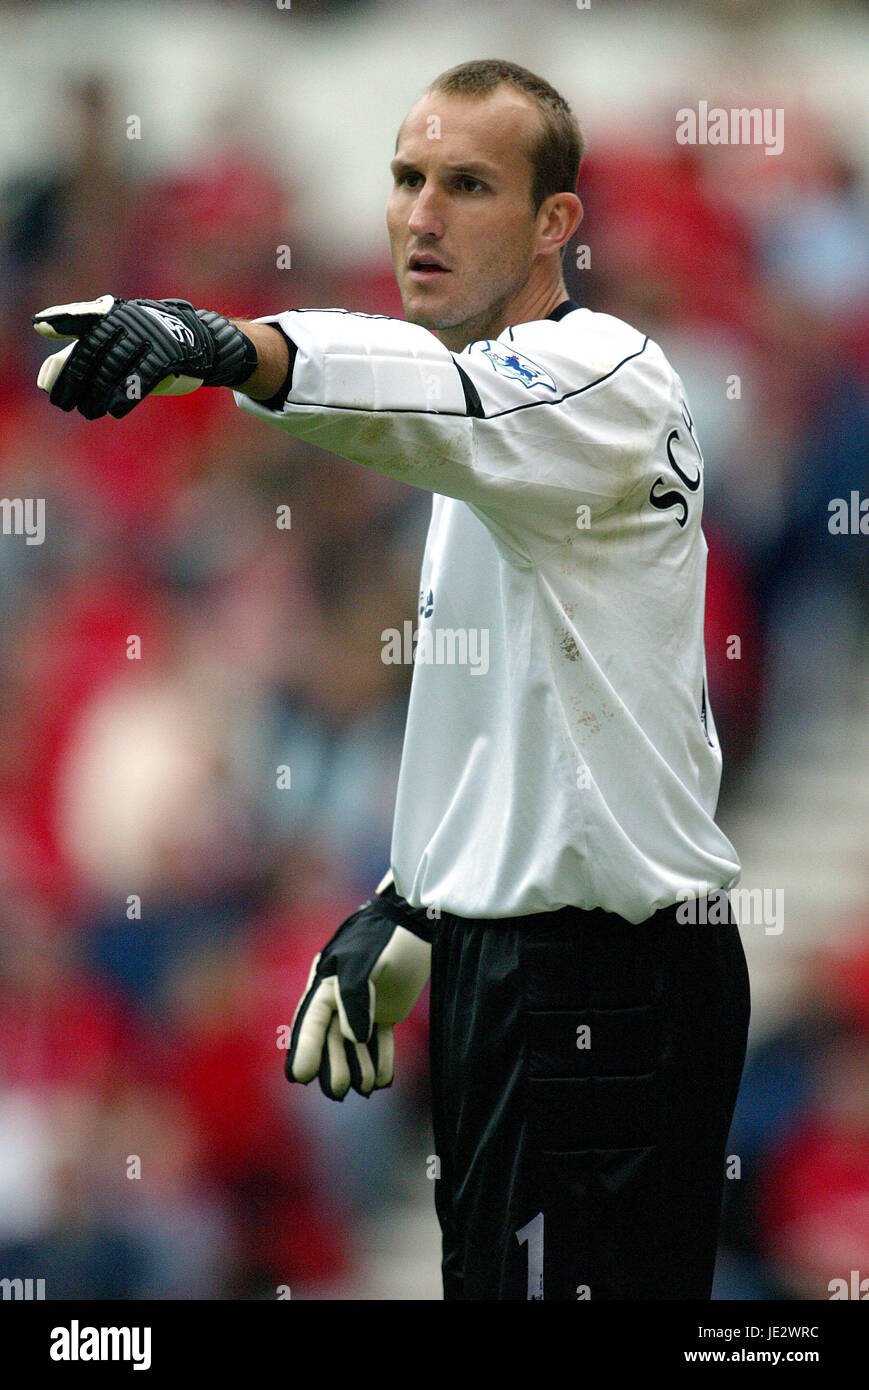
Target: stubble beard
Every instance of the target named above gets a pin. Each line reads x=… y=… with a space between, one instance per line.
x=483 y=320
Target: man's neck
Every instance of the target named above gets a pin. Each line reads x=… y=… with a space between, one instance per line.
x=530 y=304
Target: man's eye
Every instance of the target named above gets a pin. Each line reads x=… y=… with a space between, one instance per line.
x=469 y=184
x=410 y=179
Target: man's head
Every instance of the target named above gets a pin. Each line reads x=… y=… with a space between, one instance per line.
x=483 y=201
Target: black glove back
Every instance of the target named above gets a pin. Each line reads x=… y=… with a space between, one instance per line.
x=122 y=354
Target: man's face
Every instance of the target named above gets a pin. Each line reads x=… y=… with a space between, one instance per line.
x=461 y=222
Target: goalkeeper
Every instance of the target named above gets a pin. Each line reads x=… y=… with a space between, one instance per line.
x=554 y=844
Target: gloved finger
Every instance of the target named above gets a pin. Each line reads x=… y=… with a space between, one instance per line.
x=72 y=320
x=140 y=378
x=362 y=1068
x=82 y=365
x=334 y=1067
x=311 y=1024
x=52 y=368
x=120 y=370
x=134 y=387
x=146 y=378
x=355 y=1003
x=383 y=1040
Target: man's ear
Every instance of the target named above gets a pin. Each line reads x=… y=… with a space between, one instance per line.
x=558 y=218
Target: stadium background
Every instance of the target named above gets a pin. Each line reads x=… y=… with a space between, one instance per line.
x=257 y=181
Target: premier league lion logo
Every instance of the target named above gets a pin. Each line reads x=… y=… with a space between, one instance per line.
x=509 y=362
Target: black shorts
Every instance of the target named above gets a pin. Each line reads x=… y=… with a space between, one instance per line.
x=584 y=1075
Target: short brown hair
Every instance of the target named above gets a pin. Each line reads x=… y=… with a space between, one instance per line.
x=557 y=153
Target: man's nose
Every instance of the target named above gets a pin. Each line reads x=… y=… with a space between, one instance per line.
x=427 y=217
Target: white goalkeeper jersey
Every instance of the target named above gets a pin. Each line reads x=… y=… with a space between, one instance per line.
x=560 y=748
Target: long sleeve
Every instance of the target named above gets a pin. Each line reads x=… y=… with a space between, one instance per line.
x=550 y=417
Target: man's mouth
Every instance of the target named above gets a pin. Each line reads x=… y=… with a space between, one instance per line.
x=424 y=268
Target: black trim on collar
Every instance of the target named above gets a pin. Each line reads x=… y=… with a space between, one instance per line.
x=566 y=306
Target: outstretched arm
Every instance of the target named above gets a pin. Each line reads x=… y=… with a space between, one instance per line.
x=521 y=427
x=273 y=360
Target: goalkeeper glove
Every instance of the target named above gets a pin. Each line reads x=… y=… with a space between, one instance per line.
x=128 y=347
x=367 y=978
